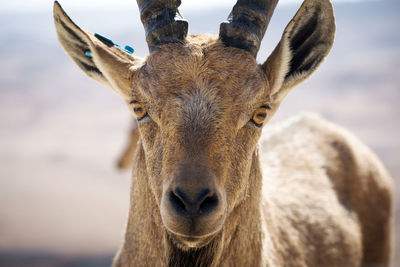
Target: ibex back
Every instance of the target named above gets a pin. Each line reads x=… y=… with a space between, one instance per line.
x=202 y=194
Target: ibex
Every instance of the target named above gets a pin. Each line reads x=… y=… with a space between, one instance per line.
x=202 y=192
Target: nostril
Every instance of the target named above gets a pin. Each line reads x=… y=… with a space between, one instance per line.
x=208 y=204
x=185 y=203
x=177 y=203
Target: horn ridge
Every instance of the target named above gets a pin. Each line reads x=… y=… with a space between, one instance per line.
x=162 y=22
x=247 y=24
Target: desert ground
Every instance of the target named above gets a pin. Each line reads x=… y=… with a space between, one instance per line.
x=63 y=202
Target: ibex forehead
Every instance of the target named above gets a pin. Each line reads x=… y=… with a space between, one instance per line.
x=202 y=63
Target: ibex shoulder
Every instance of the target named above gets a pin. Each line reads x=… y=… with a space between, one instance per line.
x=312 y=166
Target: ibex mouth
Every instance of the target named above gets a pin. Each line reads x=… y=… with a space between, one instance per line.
x=187 y=242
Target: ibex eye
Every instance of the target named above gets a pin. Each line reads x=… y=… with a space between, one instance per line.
x=139 y=110
x=259 y=116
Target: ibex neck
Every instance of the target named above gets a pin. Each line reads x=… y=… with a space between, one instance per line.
x=146 y=240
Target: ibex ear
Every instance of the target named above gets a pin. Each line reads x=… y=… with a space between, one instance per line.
x=98 y=57
x=305 y=43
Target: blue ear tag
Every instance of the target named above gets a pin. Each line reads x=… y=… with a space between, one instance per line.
x=109 y=42
x=129 y=49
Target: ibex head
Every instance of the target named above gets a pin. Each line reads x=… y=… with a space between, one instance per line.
x=202 y=101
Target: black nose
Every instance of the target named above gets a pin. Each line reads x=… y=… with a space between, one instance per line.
x=193 y=202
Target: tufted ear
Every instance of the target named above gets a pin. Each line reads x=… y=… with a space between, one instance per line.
x=305 y=43
x=97 y=56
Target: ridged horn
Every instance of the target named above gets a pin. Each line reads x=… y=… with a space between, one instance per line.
x=162 y=22
x=247 y=24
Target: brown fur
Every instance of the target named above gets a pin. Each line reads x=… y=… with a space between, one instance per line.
x=310 y=195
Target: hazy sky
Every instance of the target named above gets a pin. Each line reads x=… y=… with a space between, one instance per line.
x=37 y=5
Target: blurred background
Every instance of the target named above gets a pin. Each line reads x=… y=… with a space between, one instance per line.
x=62 y=200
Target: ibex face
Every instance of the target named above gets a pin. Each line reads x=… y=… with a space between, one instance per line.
x=201 y=101
x=199 y=135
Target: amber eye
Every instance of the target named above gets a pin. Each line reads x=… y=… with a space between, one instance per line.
x=260 y=116
x=139 y=110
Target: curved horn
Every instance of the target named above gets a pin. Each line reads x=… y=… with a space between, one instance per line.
x=162 y=22
x=247 y=24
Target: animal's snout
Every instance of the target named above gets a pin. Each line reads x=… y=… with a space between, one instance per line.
x=193 y=205
x=193 y=202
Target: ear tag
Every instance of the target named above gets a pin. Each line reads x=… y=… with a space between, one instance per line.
x=129 y=49
x=109 y=42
